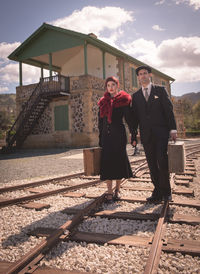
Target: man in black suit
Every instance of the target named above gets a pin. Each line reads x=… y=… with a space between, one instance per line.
x=153 y=112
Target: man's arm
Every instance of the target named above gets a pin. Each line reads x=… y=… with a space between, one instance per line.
x=169 y=114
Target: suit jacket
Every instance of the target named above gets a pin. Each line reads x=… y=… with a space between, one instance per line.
x=155 y=117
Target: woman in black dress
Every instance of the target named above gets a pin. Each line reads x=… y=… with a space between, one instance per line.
x=113 y=107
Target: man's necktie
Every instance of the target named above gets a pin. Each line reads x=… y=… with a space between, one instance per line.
x=146 y=95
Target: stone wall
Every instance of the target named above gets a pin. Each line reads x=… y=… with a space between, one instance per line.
x=85 y=91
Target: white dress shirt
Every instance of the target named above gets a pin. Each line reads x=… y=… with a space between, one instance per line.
x=148 y=89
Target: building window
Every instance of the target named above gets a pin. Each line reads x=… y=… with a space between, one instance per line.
x=163 y=83
x=61 y=117
x=134 y=78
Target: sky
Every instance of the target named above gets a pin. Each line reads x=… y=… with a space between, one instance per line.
x=164 y=34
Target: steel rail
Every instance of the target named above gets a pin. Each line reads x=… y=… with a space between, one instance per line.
x=17 y=200
x=14 y=201
x=192 y=152
x=53 y=239
x=38 y=183
x=47 y=181
x=156 y=248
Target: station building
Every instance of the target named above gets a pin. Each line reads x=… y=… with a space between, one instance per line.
x=61 y=109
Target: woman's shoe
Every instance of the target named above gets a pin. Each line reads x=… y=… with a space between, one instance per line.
x=116 y=196
x=109 y=198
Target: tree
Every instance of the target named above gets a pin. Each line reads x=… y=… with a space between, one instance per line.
x=188 y=114
x=6 y=120
x=196 y=115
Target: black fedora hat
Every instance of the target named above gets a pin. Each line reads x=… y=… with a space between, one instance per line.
x=143 y=67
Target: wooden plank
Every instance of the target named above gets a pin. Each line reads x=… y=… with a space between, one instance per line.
x=74 y=194
x=36 y=190
x=185 y=219
x=186 y=202
x=138 y=188
x=182 y=177
x=175 y=191
x=190 y=168
x=187 y=173
x=91 y=196
x=183 y=191
x=4 y=266
x=191 y=247
x=113 y=214
x=169 y=245
x=36 y=206
x=101 y=238
x=136 y=199
x=182 y=182
x=139 y=179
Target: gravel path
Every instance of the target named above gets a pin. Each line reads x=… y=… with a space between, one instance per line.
x=40 y=164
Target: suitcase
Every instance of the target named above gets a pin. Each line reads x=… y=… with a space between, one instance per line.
x=92 y=158
x=176 y=157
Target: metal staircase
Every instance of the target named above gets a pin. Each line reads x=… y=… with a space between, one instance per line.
x=47 y=89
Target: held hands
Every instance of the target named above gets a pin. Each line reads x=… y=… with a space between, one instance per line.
x=173 y=136
x=134 y=143
x=133 y=140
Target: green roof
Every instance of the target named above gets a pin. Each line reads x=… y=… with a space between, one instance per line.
x=47 y=39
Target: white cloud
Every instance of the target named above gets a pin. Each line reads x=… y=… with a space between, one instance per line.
x=180 y=52
x=6 y=49
x=93 y=19
x=193 y=3
x=10 y=74
x=3 y=89
x=157 y=27
x=179 y=57
x=111 y=40
x=160 y=2
x=143 y=50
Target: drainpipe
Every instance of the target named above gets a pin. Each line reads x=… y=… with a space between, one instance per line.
x=124 y=74
x=85 y=58
x=103 y=62
x=170 y=87
x=20 y=74
x=42 y=74
x=50 y=64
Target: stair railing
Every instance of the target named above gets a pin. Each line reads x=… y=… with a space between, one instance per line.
x=46 y=86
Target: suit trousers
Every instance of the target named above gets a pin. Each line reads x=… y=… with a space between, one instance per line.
x=157 y=159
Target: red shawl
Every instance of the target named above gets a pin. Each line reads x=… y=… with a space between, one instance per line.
x=107 y=103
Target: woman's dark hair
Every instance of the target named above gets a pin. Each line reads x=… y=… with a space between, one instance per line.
x=113 y=79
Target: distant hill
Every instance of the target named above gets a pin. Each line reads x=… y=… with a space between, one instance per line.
x=7 y=102
x=194 y=97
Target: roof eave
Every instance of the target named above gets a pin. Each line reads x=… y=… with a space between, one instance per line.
x=91 y=40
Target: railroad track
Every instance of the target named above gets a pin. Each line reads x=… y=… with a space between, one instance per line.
x=70 y=230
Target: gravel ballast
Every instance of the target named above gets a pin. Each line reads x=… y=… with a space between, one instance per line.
x=16 y=222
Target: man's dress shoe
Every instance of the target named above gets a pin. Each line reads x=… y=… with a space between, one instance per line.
x=167 y=197
x=154 y=199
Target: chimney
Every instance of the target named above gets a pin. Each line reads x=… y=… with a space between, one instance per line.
x=92 y=35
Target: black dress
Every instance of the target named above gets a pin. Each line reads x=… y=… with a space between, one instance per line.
x=112 y=138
